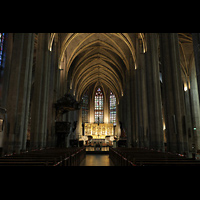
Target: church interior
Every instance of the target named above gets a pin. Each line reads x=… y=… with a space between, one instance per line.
x=124 y=99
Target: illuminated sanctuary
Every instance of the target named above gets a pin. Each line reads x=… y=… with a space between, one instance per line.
x=98 y=123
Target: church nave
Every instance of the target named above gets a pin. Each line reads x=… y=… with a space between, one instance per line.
x=67 y=93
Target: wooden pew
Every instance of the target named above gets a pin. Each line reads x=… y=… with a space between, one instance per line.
x=46 y=157
x=143 y=157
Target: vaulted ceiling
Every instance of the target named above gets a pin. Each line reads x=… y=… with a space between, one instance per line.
x=100 y=58
x=103 y=58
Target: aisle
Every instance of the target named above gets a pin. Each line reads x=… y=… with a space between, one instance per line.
x=96 y=160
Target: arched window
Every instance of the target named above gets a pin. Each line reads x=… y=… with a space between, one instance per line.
x=1 y=49
x=85 y=108
x=112 y=108
x=98 y=109
x=2 y=61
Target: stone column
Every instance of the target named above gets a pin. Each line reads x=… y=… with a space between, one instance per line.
x=195 y=109
x=132 y=102
x=37 y=109
x=8 y=48
x=142 y=96
x=27 y=106
x=188 y=118
x=128 y=111
x=154 y=93
x=196 y=46
x=24 y=93
x=56 y=91
x=134 y=107
x=52 y=91
x=46 y=98
x=173 y=93
x=138 y=107
x=12 y=98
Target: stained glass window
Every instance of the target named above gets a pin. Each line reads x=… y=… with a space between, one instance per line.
x=112 y=108
x=98 y=109
x=85 y=108
x=1 y=48
x=2 y=58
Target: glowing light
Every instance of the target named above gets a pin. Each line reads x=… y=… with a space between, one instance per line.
x=185 y=87
x=164 y=127
x=135 y=66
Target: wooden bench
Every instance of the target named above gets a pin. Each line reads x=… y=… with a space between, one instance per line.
x=46 y=157
x=144 y=157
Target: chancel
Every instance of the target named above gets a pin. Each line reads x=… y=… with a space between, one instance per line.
x=69 y=99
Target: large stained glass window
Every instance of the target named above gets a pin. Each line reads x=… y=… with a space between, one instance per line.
x=112 y=108
x=85 y=108
x=98 y=109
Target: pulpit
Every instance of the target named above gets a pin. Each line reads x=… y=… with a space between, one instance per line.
x=62 y=131
x=64 y=105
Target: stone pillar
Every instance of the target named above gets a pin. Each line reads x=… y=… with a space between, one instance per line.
x=46 y=98
x=154 y=93
x=134 y=108
x=138 y=107
x=188 y=118
x=28 y=88
x=12 y=98
x=21 y=122
x=142 y=96
x=128 y=111
x=195 y=109
x=40 y=87
x=52 y=93
x=196 y=46
x=173 y=93
x=56 y=91
x=8 y=48
x=18 y=96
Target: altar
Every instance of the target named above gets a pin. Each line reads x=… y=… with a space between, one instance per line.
x=99 y=131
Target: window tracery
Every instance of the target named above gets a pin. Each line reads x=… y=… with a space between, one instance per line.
x=112 y=108
x=98 y=110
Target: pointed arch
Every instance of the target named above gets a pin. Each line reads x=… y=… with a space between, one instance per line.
x=99 y=105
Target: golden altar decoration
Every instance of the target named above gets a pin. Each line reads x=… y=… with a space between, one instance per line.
x=99 y=131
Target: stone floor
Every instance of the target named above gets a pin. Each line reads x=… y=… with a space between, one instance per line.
x=96 y=160
x=97 y=149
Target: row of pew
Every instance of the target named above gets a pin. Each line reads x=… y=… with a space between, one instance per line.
x=46 y=157
x=122 y=156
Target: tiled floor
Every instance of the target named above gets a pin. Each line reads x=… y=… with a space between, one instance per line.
x=96 y=160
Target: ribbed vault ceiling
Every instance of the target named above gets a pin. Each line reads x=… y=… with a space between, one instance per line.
x=101 y=58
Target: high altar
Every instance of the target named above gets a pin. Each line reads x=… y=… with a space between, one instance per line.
x=99 y=131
